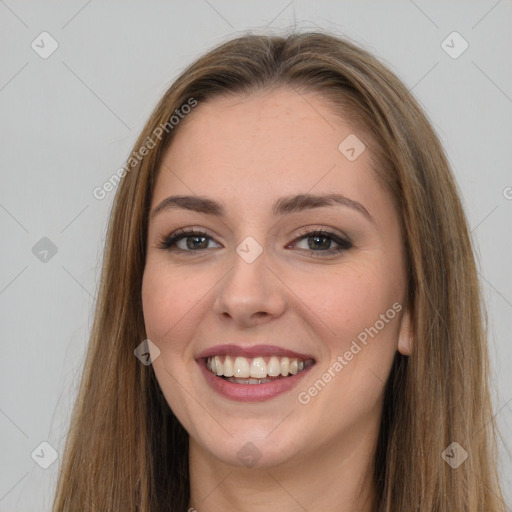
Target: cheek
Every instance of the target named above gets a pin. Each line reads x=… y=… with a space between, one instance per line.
x=170 y=299
x=171 y=302
x=350 y=299
x=360 y=311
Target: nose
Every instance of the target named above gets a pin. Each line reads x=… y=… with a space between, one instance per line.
x=250 y=294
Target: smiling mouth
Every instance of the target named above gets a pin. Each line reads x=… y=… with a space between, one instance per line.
x=256 y=370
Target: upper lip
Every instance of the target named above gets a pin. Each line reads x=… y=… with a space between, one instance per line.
x=251 y=352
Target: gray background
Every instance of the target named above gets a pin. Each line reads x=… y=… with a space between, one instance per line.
x=69 y=122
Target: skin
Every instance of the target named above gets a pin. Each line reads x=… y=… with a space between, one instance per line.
x=246 y=152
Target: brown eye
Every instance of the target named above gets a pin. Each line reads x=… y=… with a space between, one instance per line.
x=194 y=242
x=190 y=241
x=321 y=242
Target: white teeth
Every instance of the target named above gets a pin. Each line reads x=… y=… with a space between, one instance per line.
x=254 y=371
x=241 y=368
x=258 y=368
x=229 y=369
x=285 y=366
x=218 y=365
x=274 y=367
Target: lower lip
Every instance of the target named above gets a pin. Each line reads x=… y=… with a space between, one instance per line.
x=251 y=392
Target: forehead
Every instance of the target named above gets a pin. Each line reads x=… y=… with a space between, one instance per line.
x=266 y=144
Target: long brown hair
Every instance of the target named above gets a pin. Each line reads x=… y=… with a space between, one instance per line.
x=126 y=451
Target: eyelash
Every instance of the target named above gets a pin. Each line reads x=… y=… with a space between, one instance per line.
x=169 y=242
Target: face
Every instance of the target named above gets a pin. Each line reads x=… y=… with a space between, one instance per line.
x=275 y=292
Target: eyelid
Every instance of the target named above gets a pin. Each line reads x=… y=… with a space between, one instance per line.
x=166 y=241
x=327 y=230
x=342 y=241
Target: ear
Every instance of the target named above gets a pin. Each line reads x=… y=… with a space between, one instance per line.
x=405 y=335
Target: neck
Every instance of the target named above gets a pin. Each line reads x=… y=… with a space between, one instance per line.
x=336 y=477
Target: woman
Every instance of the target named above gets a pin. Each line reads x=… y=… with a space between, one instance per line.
x=288 y=250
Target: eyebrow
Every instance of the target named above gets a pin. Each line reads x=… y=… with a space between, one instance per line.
x=282 y=206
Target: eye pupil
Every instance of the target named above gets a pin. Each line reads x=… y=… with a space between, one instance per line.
x=316 y=239
x=195 y=244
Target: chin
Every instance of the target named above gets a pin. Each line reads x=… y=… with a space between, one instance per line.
x=253 y=453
